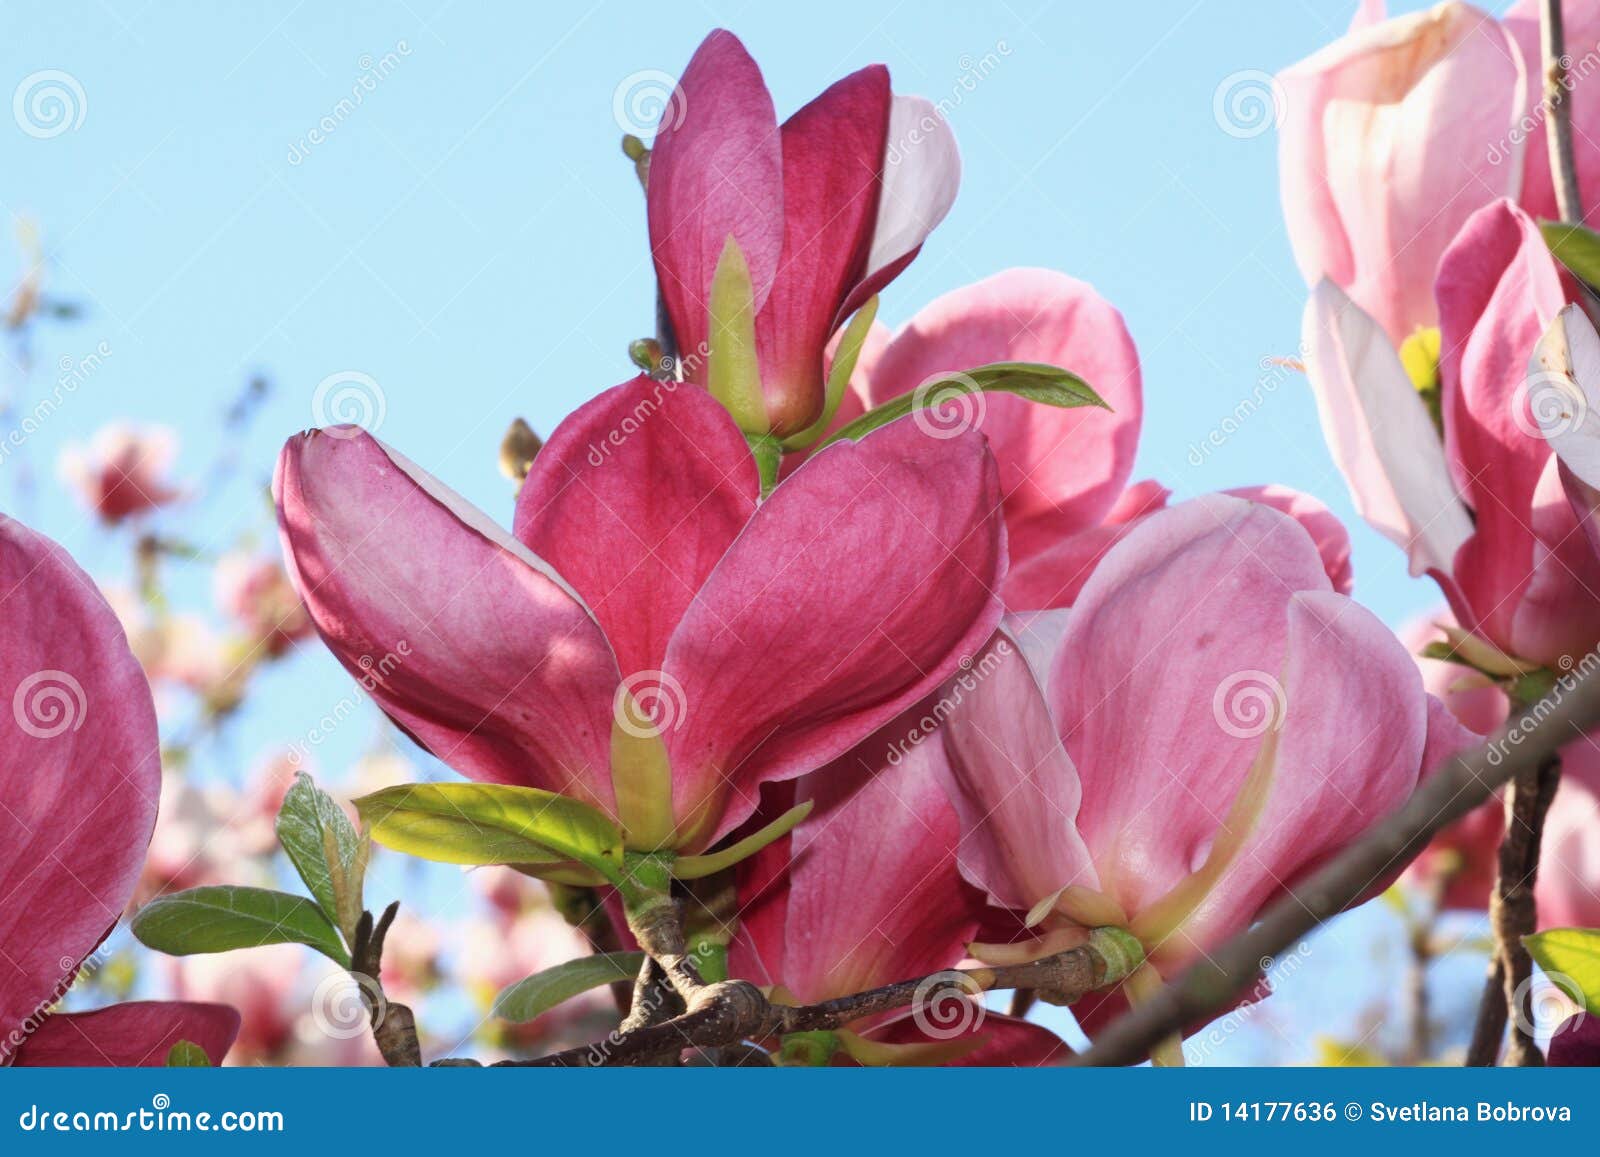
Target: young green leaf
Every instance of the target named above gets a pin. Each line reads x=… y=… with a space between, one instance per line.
x=485 y=823
x=1571 y=958
x=224 y=917
x=1575 y=247
x=536 y=995
x=327 y=851
x=733 y=371
x=187 y=1055
x=1047 y=385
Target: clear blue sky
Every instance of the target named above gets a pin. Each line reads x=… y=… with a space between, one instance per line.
x=472 y=239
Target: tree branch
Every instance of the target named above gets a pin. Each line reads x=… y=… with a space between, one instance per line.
x=394 y=1027
x=1558 y=113
x=1464 y=782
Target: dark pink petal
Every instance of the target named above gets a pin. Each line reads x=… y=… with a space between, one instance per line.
x=716 y=171
x=137 y=1034
x=1060 y=465
x=1001 y=1041
x=832 y=169
x=1172 y=658
x=466 y=639
x=855 y=590
x=1498 y=291
x=80 y=772
x=875 y=895
x=634 y=500
x=1576 y=1042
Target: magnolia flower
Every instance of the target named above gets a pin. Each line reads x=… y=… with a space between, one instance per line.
x=651 y=641
x=256 y=594
x=1478 y=502
x=80 y=771
x=1391 y=138
x=123 y=471
x=1208 y=724
x=803 y=222
x=867 y=892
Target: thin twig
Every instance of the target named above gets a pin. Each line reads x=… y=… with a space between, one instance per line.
x=394 y=1027
x=1558 y=112
x=1464 y=782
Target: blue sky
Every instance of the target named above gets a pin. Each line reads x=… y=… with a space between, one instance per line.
x=470 y=238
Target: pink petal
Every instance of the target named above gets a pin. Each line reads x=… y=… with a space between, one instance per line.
x=634 y=500
x=1582 y=26
x=1173 y=655
x=80 y=772
x=716 y=171
x=1015 y=787
x=1498 y=293
x=466 y=639
x=137 y=1034
x=1575 y=1042
x=1350 y=752
x=875 y=895
x=1052 y=574
x=1390 y=138
x=832 y=174
x=1381 y=436
x=1324 y=527
x=1005 y=1041
x=1064 y=466
x=855 y=590
x=1568 y=889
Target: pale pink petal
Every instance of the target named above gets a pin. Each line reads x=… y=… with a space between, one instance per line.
x=137 y=1034
x=466 y=639
x=1390 y=137
x=1380 y=433
x=1324 y=527
x=1581 y=20
x=80 y=771
x=633 y=500
x=854 y=591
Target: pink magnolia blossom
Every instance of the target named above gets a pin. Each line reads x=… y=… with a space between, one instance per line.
x=867 y=892
x=1392 y=136
x=1208 y=723
x=825 y=210
x=123 y=471
x=256 y=594
x=1481 y=508
x=80 y=771
x=1064 y=473
x=651 y=641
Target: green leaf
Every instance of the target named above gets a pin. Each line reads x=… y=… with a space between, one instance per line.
x=187 y=1055
x=327 y=851
x=225 y=917
x=733 y=370
x=1575 y=247
x=1570 y=957
x=1047 y=385
x=533 y=997
x=695 y=867
x=486 y=823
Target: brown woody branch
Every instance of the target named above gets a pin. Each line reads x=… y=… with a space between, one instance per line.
x=394 y=1027
x=1558 y=112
